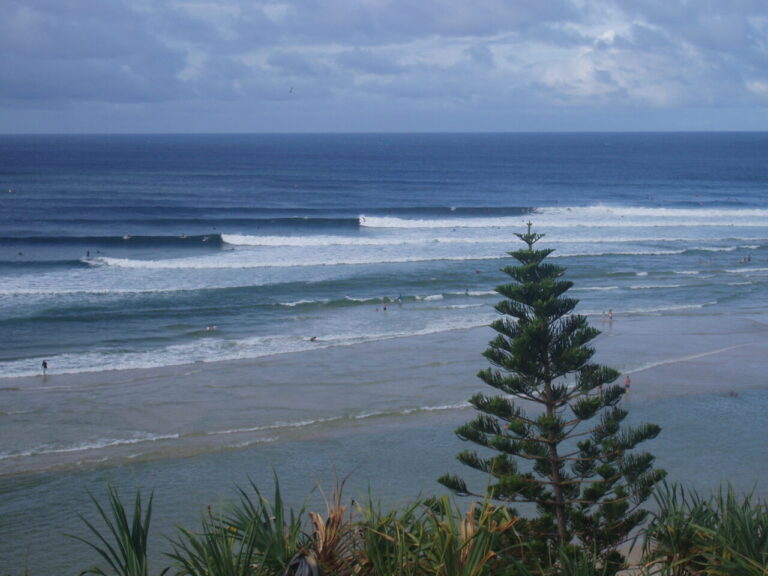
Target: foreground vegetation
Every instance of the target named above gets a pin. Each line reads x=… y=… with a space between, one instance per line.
x=257 y=536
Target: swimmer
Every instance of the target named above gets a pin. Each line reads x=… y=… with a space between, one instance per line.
x=313 y=339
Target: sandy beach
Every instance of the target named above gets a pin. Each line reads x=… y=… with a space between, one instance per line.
x=382 y=412
x=195 y=408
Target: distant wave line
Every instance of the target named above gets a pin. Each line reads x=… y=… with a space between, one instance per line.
x=181 y=240
x=260 y=346
x=197 y=351
x=654 y=286
x=588 y=217
x=243 y=263
x=340 y=240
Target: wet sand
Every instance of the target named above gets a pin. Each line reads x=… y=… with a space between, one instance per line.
x=383 y=412
x=75 y=420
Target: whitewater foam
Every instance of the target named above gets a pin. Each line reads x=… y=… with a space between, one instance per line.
x=44 y=450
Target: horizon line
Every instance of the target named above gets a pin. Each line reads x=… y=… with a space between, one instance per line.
x=391 y=133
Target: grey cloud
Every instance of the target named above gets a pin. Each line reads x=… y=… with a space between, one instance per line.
x=368 y=62
x=296 y=64
x=402 y=20
x=480 y=54
x=707 y=25
x=105 y=53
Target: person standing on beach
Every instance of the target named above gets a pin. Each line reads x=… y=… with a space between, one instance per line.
x=627 y=383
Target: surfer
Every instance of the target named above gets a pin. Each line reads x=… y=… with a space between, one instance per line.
x=313 y=339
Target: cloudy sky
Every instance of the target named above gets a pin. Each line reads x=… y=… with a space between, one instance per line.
x=382 y=65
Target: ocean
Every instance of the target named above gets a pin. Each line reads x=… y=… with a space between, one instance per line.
x=212 y=306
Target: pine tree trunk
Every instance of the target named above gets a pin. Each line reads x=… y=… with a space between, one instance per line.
x=558 y=492
x=554 y=461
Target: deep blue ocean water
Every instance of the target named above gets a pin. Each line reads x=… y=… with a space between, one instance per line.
x=170 y=253
x=120 y=251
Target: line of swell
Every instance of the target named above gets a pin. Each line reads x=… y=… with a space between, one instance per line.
x=212 y=240
x=205 y=263
x=36 y=264
x=569 y=216
x=215 y=222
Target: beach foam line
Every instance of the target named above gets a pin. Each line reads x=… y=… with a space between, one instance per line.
x=368 y=300
x=713 y=249
x=660 y=309
x=651 y=311
x=318 y=421
x=218 y=350
x=679 y=359
x=654 y=286
x=595 y=289
x=430 y=298
x=274 y=426
x=87 y=446
x=746 y=270
x=295 y=303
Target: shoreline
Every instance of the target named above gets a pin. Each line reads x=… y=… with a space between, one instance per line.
x=362 y=405
x=748 y=323
x=257 y=401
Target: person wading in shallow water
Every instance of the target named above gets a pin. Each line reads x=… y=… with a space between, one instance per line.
x=45 y=367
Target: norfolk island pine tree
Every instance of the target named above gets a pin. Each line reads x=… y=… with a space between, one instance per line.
x=572 y=457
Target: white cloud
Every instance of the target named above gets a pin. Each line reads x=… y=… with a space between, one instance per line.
x=759 y=87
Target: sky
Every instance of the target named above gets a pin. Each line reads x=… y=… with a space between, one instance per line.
x=200 y=66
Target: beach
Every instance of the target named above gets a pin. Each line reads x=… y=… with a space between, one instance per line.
x=382 y=413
